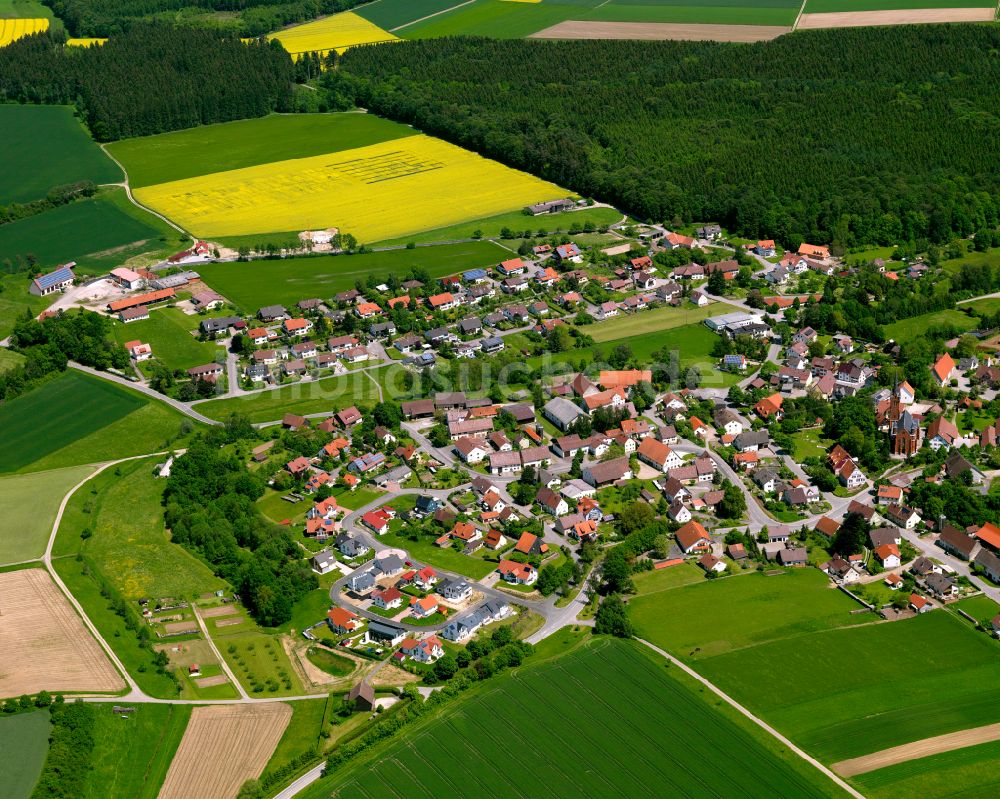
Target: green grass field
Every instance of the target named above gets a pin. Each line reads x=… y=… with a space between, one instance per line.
x=961 y=774
x=824 y=6
x=30 y=502
x=131 y=545
x=301 y=734
x=849 y=692
x=319 y=396
x=498 y=19
x=233 y=145
x=906 y=329
x=15 y=301
x=24 y=741
x=781 y=13
x=979 y=607
x=808 y=444
x=699 y=621
x=168 y=330
x=46 y=146
x=448 y=559
x=607 y=708
x=259 y=663
x=98 y=233
x=329 y=662
x=643 y=323
x=9 y=359
x=76 y=418
x=389 y=14
x=131 y=757
x=258 y=283
x=517 y=221
x=138 y=662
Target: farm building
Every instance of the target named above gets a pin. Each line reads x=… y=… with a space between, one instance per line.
x=54 y=281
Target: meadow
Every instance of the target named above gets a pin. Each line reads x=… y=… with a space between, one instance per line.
x=302 y=733
x=824 y=6
x=853 y=691
x=30 y=502
x=698 y=621
x=654 y=321
x=375 y=192
x=959 y=774
x=168 y=330
x=447 y=558
x=46 y=146
x=391 y=14
x=76 y=418
x=499 y=19
x=131 y=756
x=98 y=233
x=337 y=32
x=15 y=301
x=9 y=359
x=906 y=329
x=255 y=284
x=316 y=396
x=517 y=221
x=259 y=662
x=607 y=704
x=131 y=544
x=718 y=12
x=233 y=145
x=24 y=741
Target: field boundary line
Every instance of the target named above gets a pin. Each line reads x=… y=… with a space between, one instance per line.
x=429 y=16
x=128 y=193
x=802 y=10
x=755 y=719
x=925 y=747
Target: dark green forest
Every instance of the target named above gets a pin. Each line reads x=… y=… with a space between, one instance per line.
x=152 y=79
x=243 y=17
x=853 y=136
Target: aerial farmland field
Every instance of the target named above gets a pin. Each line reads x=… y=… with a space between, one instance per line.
x=840 y=6
x=24 y=740
x=149 y=160
x=719 y=12
x=13 y=29
x=362 y=191
x=98 y=233
x=256 y=284
x=391 y=14
x=640 y=729
x=46 y=146
x=337 y=32
x=974 y=770
x=222 y=747
x=45 y=644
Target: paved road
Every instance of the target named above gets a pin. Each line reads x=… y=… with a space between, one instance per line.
x=928 y=547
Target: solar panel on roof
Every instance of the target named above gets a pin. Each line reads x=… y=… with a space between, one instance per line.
x=60 y=275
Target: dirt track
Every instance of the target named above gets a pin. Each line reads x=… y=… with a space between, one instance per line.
x=579 y=29
x=855 y=19
x=43 y=643
x=917 y=749
x=223 y=746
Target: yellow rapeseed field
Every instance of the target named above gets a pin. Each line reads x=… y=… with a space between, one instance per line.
x=377 y=192
x=13 y=29
x=85 y=41
x=332 y=33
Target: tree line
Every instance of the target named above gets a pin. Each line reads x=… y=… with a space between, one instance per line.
x=151 y=79
x=244 y=17
x=852 y=136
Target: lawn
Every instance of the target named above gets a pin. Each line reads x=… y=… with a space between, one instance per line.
x=699 y=621
x=314 y=396
x=608 y=707
x=78 y=576
x=808 y=444
x=980 y=607
x=234 y=145
x=963 y=773
x=98 y=233
x=131 y=545
x=850 y=692
x=311 y=608
x=15 y=301
x=24 y=741
x=518 y=222
x=916 y=326
x=76 y=418
x=168 y=330
x=652 y=321
x=259 y=663
x=657 y=580
x=46 y=146
x=131 y=756
x=30 y=502
x=302 y=733
x=443 y=558
x=329 y=662
x=258 y=283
